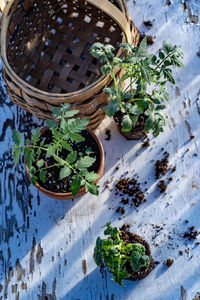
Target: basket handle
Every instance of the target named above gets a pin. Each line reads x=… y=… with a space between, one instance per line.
x=2 y=4
x=112 y=11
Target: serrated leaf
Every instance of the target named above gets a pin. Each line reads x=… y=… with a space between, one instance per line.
x=35 y=137
x=50 y=151
x=33 y=179
x=40 y=163
x=16 y=152
x=70 y=113
x=59 y=160
x=76 y=137
x=105 y=69
x=92 y=188
x=29 y=157
x=42 y=176
x=77 y=125
x=142 y=50
x=110 y=91
x=85 y=162
x=134 y=120
x=92 y=176
x=52 y=123
x=56 y=112
x=168 y=74
x=66 y=145
x=65 y=172
x=167 y=47
x=17 y=137
x=126 y=124
x=75 y=186
x=112 y=108
x=71 y=157
x=177 y=62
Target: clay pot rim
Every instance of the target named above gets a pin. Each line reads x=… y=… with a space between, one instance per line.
x=68 y=195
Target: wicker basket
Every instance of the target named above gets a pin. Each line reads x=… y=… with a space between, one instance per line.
x=45 y=52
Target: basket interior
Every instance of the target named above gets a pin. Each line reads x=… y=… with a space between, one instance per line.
x=48 y=43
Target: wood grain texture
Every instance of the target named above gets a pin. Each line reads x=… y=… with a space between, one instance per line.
x=46 y=245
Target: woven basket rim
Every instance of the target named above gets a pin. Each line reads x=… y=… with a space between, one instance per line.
x=28 y=87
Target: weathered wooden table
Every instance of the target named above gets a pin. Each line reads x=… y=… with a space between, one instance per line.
x=46 y=245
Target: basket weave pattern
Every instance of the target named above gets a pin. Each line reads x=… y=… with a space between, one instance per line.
x=47 y=47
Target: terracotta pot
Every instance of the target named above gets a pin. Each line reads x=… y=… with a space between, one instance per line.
x=136 y=133
x=134 y=238
x=68 y=195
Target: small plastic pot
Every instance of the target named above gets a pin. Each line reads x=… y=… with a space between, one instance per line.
x=68 y=195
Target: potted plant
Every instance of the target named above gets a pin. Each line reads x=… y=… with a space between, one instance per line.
x=135 y=110
x=63 y=159
x=125 y=254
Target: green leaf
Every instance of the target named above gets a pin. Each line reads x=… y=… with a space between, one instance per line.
x=168 y=74
x=177 y=61
x=106 y=69
x=71 y=157
x=51 y=151
x=42 y=176
x=85 y=162
x=70 y=113
x=76 y=137
x=161 y=55
x=52 y=124
x=92 y=176
x=138 y=247
x=65 y=107
x=142 y=50
x=112 y=108
x=35 y=137
x=110 y=91
x=134 y=120
x=16 y=137
x=77 y=125
x=56 y=112
x=167 y=47
x=66 y=145
x=16 y=152
x=75 y=186
x=92 y=188
x=126 y=124
x=65 y=172
x=33 y=179
x=40 y=163
x=29 y=157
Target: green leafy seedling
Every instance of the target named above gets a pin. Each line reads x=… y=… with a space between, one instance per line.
x=143 y=70
x=65 y=131
x=115 y=254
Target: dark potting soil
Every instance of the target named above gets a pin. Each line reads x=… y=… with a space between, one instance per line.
x=53 y=181
x=169 y=262
x=162 y=166
x=129 y=237
x=131 y=187
x=191 y=234
x=150 y=40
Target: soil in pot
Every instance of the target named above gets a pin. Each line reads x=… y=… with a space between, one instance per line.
x=53 y=182
x=137 y=132
x=129 y=237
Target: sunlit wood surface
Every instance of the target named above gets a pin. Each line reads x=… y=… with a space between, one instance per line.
x=46 y=245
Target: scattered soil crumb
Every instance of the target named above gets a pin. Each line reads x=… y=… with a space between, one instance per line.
x=162 y=166
x=148 y=23
x=117 y=168
x=108 y=135
x=125 y=201
x=121 y=210
x=168 y=2
x=170 y=178
x=150 y=40
x=156 y=262
x=198 y=53
x=169 y=262
x=191 y=234
x=162 y=186
x=131 y=187
x=192 y=137
x=181 y=252
x=146 y=143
